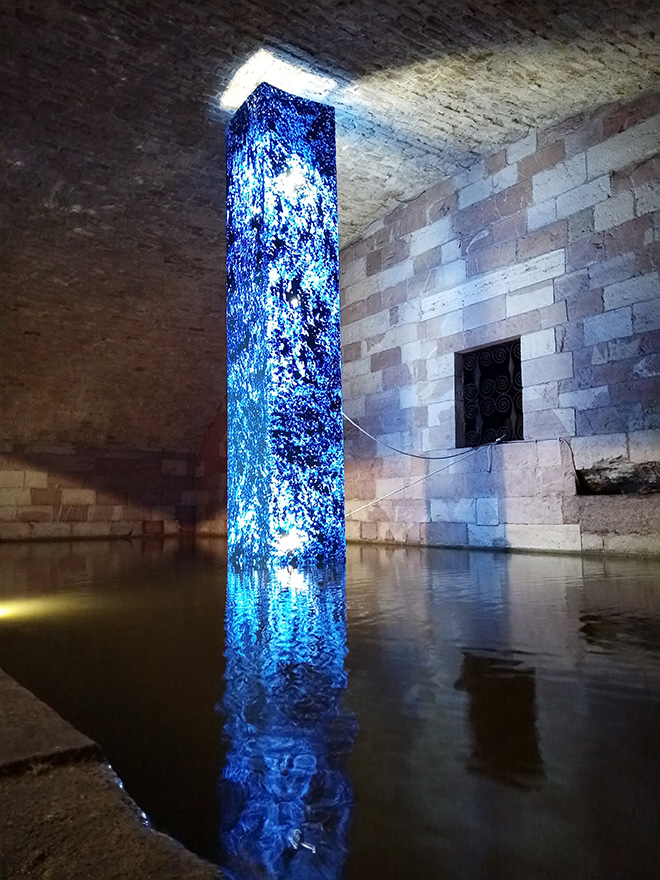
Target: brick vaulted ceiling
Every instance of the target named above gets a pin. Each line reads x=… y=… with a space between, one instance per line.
x=112 y=194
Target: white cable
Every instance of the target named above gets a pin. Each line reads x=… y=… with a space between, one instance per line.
x=401 y=451
x=419 y=480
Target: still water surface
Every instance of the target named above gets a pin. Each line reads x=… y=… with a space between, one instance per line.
x=423 y=714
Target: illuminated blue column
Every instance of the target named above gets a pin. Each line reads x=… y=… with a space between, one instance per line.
x=285 y=797
x=285 y=436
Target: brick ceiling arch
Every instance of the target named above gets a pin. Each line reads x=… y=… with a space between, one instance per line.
x=113 y=186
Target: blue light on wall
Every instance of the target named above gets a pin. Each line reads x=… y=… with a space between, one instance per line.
x=285 y=435
x=285 y=797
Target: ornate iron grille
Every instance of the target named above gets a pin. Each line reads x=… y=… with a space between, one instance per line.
x=489 y=394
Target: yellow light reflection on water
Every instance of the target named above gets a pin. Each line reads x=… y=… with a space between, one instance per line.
x=46 y=607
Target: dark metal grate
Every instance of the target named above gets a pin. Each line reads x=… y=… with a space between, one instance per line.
x=489 y=394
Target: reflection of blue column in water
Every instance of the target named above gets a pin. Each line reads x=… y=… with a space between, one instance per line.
x=285 y=800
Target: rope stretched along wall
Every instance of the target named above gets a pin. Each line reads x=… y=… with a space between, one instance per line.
x=463 y=455
x=394 y=449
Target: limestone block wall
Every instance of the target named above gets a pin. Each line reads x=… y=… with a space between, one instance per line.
x=211 y=478
x=554 y=239
x=112 y=264
x=72 y=492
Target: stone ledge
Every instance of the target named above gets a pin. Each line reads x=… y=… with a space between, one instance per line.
x=75 y=821
x=63 y=811
x=31 y=733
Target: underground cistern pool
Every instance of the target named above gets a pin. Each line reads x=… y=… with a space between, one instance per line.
x=419 y=713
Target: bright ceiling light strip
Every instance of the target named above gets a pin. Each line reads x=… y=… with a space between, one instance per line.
x=264 y=66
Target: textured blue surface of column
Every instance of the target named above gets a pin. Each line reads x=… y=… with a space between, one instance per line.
x=285 y=434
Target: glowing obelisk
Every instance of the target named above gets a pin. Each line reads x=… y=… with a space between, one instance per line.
x=285 y=434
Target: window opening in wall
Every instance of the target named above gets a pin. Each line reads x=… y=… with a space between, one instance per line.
x=489 y=394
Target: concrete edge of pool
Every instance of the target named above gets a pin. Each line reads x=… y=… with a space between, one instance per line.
x=192 y=540
x=63 y=812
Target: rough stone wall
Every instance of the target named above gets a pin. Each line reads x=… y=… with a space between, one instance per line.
x=112 y=145
x=112 y=257
x=211 y=482
x=112 y=267
x=112 y=193
x=72 y=492
x=556 y=239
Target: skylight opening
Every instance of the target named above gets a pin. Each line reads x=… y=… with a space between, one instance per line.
x=264 y=66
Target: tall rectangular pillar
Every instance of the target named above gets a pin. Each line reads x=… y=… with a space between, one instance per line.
x=285 y=433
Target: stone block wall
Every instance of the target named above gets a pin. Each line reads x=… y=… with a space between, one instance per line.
x=211 y=480
x=554 y=239
x=112 y=299
x=69 y=492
